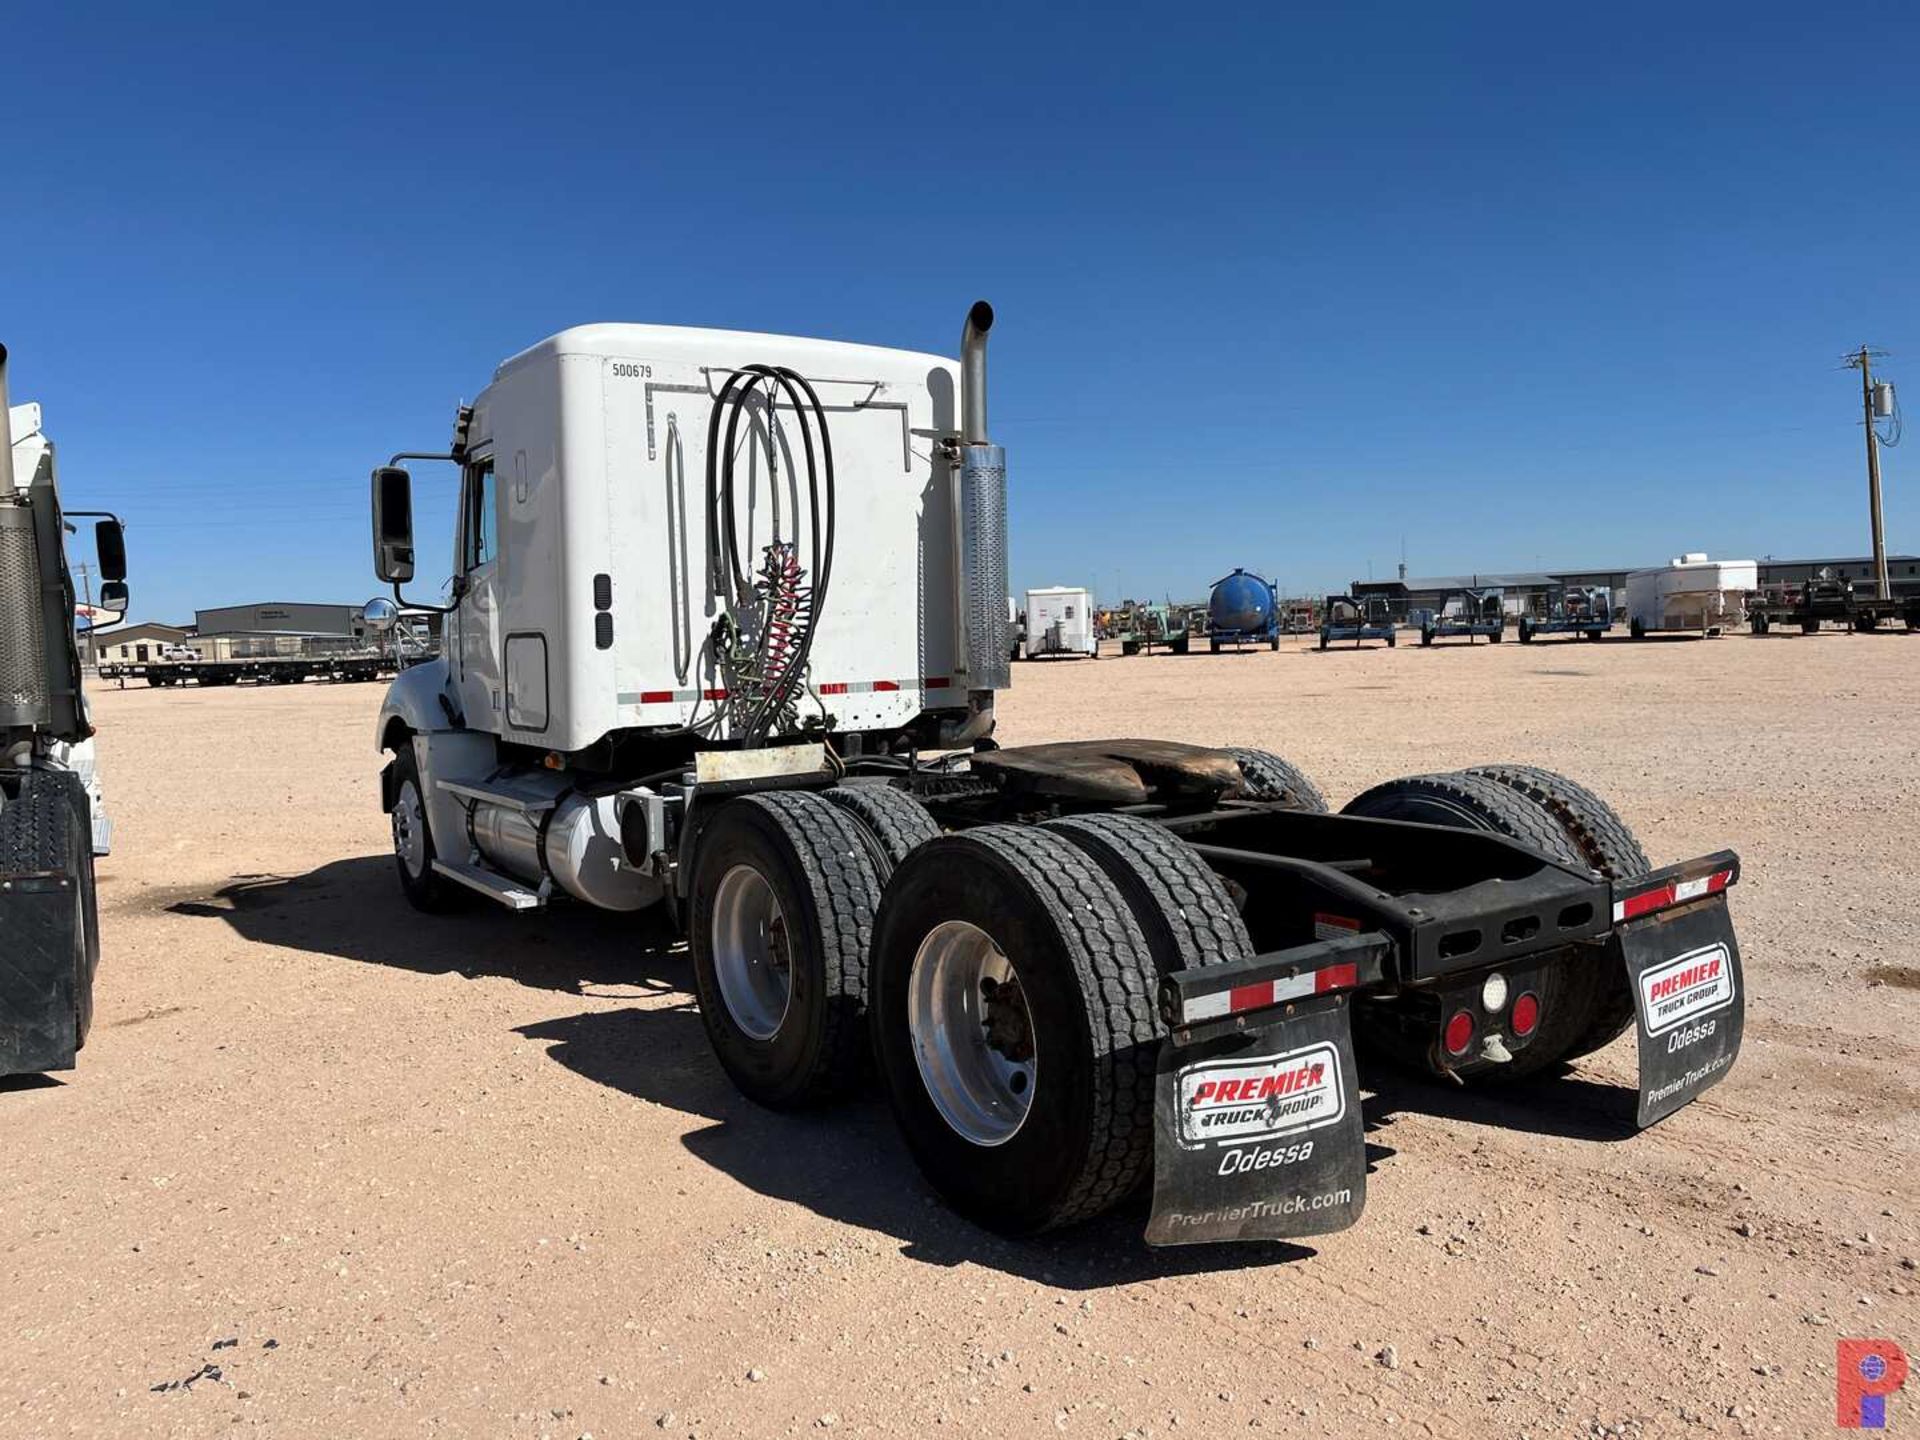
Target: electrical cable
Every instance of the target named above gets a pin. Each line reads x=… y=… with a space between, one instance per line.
x=784 y=613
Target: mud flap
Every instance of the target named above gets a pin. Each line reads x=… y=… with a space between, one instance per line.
x=46 y=957
x=1684 y=966
x=1257 y=1129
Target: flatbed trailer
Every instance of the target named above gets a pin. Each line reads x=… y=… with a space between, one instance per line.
x=1826 y=599
x=1345 y=618
x=1582 y=610
x=258 y=670
x=1468 y=614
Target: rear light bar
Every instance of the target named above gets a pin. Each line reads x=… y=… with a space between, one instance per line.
x=1675 y=885
x=1223 y=992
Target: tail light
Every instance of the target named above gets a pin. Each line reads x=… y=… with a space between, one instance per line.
x=1525 y=1017
x=1459 y=1033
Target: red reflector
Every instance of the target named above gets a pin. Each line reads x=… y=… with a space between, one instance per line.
x=656 y=697
x=1250 y=997
x=938 y=682
x=714 y=694
x=1336 y=977
x=1525 y=1015
x=886 y=685
x=1459 y=1034
x=839 y=689
x=1647 y=901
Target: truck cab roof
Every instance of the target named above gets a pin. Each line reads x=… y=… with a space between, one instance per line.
x=675 y=342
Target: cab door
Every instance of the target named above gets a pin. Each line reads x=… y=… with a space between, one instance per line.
x=476 y=641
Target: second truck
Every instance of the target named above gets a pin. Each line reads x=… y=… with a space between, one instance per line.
x=53 y=824
x=726 y=631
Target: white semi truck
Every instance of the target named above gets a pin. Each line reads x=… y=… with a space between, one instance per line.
x=727 y=619
x=53 y=822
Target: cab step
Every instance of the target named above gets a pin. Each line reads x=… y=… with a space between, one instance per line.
x=510 y=893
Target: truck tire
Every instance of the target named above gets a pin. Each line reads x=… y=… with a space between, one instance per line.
x=892 y=820
x=1526 y=631
x=1808 y=627
x=1637 y=630
x=1183 y=909
x=781 y=910
x=426 y=889
x=1606 y=844
x=1392 y=641
x=1268 y=777
x=1032 y=1109
x=1475 y=802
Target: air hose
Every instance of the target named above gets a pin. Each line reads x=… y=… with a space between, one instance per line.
x=782 y=609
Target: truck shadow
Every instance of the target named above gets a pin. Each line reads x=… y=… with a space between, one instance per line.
x=353 y=909
x=1560 y=1103
x=847 y=1162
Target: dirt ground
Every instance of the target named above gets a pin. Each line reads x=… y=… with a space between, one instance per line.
x=367 y=1173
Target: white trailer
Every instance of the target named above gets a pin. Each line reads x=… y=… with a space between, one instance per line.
x=1060 y=622
x=1690 y=592
x=719 y=598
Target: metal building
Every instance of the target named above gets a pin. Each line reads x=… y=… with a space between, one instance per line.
x=278 y=617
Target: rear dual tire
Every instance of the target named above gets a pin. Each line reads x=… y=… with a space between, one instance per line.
x=782 y=904
x=1015 y=1008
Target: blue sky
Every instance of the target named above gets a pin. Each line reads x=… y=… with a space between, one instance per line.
x=1522 y=285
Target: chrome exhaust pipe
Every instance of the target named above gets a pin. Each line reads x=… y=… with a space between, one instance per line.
x=6 y=430
x=981 y=592
x=973 y=374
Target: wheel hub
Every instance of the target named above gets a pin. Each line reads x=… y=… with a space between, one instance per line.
x=973 y=1033
x=410 y=829
x=752 y=952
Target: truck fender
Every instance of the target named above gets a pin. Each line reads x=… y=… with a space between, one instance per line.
x=420 y=700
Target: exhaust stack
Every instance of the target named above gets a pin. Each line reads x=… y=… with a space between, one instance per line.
x=982 y=596
x=6 y=431
x=24 y=698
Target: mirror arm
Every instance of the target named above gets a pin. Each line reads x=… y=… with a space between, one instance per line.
x=406 y=604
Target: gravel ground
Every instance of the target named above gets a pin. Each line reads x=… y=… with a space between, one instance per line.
x=329 y=1167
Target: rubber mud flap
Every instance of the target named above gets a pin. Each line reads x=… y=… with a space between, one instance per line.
x=1684 y=967
x=1288 y=1160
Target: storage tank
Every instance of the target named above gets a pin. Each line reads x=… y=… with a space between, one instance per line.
x=1241 y=604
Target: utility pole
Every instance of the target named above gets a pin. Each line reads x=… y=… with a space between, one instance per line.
x=1863 y=362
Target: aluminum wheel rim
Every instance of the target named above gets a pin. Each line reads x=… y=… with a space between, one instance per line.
x=410 y=829
x=752 y=952
x=972 y=1033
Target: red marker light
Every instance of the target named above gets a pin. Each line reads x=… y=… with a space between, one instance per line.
x=1526 y=1015
x=1459 y=1033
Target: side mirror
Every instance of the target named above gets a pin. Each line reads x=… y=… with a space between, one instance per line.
x=111 y=542
x=392 y=524
x=113 y=597
x=379 y=615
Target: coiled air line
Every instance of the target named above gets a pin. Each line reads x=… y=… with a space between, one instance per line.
x=789 y=643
